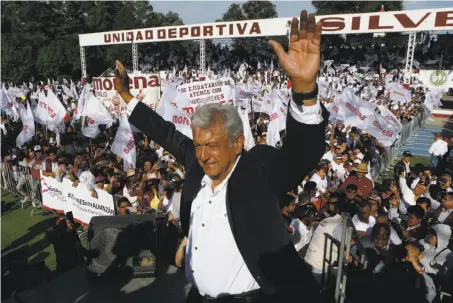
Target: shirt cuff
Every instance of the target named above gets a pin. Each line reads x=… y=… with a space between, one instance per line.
x=131 y=106
x=306 y=114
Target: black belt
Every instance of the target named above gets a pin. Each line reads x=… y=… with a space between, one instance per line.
x=248 y=297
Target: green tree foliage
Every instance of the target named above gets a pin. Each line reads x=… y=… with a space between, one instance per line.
x=351 y=7
x=246 y=47
x=40 y=38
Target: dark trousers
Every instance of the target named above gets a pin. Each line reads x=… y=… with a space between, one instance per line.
x=254 y=297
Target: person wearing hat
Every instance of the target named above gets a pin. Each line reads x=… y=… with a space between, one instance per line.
x=403 y=164
x=365 y=185
x=437 y=150
x=132 y=189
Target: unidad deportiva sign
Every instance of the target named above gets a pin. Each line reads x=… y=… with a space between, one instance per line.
x=395 y=21
x=62 y=197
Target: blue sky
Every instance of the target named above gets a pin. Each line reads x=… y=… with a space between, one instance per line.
x=208 y=11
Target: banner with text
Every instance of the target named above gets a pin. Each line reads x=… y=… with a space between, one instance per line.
x=376 y=22
x=63 y=197
x=145 y=86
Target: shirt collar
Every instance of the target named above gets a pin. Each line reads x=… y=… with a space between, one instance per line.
x=206 y=181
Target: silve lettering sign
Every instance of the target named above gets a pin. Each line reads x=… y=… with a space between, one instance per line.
x=398 y=21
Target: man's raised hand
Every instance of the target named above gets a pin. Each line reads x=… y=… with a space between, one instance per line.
x=301 y=62
x=122 y=82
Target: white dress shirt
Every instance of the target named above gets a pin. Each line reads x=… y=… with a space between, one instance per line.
x=438 y=148
x=321 y=184
x=214 y=264
x=362 y=226
x=301 y=235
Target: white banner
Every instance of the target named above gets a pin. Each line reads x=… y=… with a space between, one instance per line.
x=399 y=93
x=63 y=197
x=178 y=117
x=376 y=22
x=209 y=91
x=144 y=86
x=441 y=79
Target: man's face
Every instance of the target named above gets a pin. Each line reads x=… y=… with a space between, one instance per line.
x=321 y=173
x=447 y=202
x=147 y=166
x=31 y=154
x=381 y=240
x=374 y=205
x=360 y=176
x=213 y=150
x=39 y=155
x=156 y=146
x=432 y=239
x=425 y=207
x=413 y=221
x=351 y=193
x=332 y=205
x=52 y=157
x=407 y=159
x=364 y=213
x=419 y=189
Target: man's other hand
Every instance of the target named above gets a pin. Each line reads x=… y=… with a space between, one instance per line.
x=301 y=62
x=122 y=82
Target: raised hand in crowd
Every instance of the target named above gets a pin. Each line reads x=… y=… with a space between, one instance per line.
x=301 y=62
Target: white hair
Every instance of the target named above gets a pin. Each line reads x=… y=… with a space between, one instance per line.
x=206 y=114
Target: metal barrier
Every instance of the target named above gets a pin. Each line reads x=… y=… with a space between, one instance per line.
x=348 y=233
x=391 y=153
x=18 y=180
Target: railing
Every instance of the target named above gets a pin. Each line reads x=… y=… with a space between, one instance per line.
x=348 y=233
x=18 y=180
x=391 y=153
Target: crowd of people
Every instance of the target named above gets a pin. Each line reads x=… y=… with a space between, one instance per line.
x=403 y=222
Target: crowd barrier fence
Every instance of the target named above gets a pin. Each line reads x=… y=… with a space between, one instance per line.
x=391 y=153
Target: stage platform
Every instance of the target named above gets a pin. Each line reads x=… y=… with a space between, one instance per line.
x=72 y=287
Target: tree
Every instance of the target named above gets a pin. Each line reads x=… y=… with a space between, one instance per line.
x=352 y=7
x=254 y=48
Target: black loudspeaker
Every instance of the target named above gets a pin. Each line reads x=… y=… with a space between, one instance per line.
x=120 y=244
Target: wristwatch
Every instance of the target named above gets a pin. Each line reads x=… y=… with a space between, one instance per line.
x=300 y=97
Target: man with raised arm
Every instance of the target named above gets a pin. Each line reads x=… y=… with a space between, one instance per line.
x=238 y=248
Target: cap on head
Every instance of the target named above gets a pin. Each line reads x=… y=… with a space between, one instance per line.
x=407 y=154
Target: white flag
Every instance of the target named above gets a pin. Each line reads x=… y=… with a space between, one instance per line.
x=96 y=114
x=355 y=111
x=65 y=82
x=67 y=91
x=273 y=132
x=28 y=130
x=81 y=104
x=74 y=90
x=55 y=111
x=124 y=143
x=249 y=141
x=177 y=117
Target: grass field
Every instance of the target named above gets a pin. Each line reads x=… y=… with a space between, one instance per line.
x=23 y=242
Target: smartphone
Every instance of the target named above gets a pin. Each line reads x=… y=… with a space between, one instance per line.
x=152 y=176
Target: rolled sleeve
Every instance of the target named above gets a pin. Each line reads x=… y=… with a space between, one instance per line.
x=131 y=106
x=306 y=114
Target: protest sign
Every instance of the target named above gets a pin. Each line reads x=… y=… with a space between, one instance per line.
x=144 y=86
x=202 y=92
x=63 y=197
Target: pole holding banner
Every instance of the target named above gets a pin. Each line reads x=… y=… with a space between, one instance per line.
x=135 y=58
x=202 y=56
x=83 y=63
